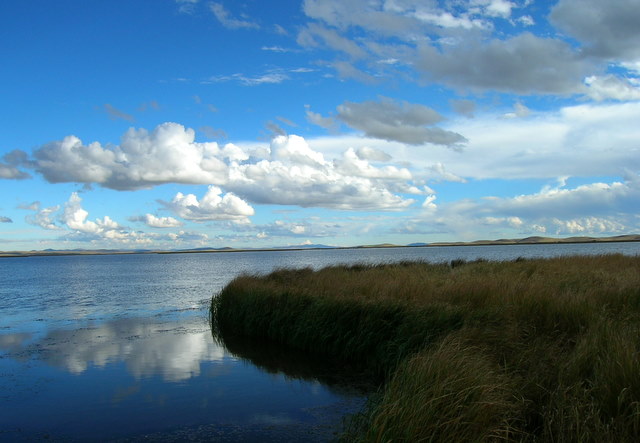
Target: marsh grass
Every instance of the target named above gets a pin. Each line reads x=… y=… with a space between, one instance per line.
x=528 y=350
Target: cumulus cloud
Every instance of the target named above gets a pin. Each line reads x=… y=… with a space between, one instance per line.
x=158 y=222
x=75 y=217
x=212 y=206
x=296 y=150
x=352 y=164
x=397 y=121
x=142 y=160
x=298 y=175
x=288 y=172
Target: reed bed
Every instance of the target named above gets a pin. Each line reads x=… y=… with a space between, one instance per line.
x=528 y=350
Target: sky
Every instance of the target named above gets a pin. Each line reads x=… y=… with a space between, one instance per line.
x=170 y=124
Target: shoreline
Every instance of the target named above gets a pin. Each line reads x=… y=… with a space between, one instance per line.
x=500 y=242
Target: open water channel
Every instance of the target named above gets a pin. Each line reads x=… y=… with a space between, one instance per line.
x=118 y=347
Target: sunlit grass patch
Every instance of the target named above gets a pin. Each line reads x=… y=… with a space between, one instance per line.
x=528 y=350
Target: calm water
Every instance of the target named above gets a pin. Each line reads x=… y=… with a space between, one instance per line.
x=119 y=347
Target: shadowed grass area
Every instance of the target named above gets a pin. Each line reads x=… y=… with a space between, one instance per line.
x=529 y=350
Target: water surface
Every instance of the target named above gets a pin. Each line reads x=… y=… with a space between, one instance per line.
x=119 y=347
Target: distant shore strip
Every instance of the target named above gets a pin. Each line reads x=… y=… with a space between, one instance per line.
x=521 y=241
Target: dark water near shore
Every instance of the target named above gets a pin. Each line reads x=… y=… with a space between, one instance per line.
x=119 y=347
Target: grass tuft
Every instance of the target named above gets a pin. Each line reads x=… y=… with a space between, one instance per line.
x=529 y=350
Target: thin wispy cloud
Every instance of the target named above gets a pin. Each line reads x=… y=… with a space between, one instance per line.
x=116 y=114
x=228 y=20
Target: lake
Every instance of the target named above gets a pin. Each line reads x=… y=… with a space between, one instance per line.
x=118 y=347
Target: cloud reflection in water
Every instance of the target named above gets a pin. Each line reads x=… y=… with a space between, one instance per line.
x=148 y=347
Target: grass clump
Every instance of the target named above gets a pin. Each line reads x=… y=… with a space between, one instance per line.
x=528 y=350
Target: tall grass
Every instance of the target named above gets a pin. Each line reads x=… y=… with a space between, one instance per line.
x=529 y=350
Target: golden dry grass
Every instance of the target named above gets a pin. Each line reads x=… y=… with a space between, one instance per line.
x=528 y=350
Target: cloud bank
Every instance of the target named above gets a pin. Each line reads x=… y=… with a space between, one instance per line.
x=293 y=173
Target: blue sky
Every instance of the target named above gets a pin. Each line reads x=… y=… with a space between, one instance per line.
x=192 y=123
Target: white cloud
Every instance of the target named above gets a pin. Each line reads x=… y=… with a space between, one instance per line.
x=495 y=8
x=592 y=209
x=439 y=173
x=588 y=225
x=142 y=160
x=372 y=154
x=445 y=19
x=526 y=20
x=290 y=172
x=612 y=87
x=158 y=222
x=299 y=175
x=583 y=140
x=353 y=165
x=429 y=203
x=519 y=111
x=212 y=206
x=43 y=217
x=273 y=77
x=75 y=217
x=296 y=150
x=143 y=346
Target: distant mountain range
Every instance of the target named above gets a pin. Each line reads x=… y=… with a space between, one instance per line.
x=520 y=241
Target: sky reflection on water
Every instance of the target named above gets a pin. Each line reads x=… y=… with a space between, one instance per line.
x=105 y=347
x=132 y=376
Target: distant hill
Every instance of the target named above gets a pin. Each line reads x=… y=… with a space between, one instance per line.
x=502 y=241
x=543 y=240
